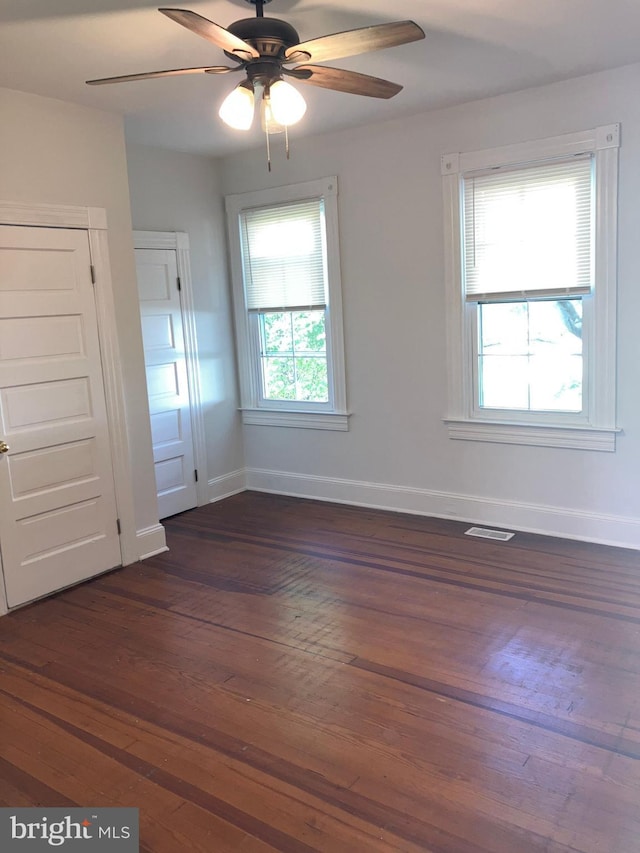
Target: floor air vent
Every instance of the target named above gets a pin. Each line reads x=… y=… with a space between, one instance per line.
x=485 y=533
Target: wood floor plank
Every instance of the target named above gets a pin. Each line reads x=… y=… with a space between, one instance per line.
x=300 y=676
x=508 y=653
x=222 y=776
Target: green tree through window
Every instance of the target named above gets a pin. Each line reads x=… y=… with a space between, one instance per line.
x=294 y=356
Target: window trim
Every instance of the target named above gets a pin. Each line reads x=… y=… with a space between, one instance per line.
x=255 y=409
x=595 y=429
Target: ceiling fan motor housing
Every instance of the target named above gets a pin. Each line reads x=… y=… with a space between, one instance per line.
x=270 y=36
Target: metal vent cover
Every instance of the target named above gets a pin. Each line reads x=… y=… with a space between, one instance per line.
x=486 y=533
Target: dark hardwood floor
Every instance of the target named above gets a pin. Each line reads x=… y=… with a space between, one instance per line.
x=298 y=676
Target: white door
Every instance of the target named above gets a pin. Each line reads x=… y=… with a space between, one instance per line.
x=167 y=384
x=58 y=518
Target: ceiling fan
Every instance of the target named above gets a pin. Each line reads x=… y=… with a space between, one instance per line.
x=268 y=49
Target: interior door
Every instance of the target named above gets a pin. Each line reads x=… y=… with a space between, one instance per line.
x=58 y=517
x=167 y=384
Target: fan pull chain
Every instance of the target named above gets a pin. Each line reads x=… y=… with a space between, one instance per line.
x=266 y=130
x=286 y=140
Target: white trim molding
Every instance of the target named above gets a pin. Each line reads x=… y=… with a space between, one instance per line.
x=151 y=541
x=4 y=606
x=114 y=393
x=302 y=420
x=226 y=485
x=575 y=438
x=53 y=215
x=547 y=520
x=158 y=239
x=178 y=241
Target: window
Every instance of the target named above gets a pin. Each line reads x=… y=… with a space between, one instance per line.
x=531 y=280
x=287 y=299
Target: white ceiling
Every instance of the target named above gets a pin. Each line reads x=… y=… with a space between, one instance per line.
x=473 y=48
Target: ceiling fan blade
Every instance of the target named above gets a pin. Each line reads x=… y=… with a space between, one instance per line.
x=345 y=81
x=352 y=42
x=212 y=32
x=172 y=72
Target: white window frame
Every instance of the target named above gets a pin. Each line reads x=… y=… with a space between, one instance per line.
x=255 y=408
x=595 y=427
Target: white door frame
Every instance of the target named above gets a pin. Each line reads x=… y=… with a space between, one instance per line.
x=93 y=220
x=179 y=241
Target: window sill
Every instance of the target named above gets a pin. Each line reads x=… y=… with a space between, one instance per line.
x=301 y=420
x=572 y=437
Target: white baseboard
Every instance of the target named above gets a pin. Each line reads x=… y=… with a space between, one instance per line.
x=227 y=485
x=151 y=541
x=621 y=531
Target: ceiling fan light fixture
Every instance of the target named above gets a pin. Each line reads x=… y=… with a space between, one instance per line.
x=286 y=103
x=261 y=47
x=237 y=108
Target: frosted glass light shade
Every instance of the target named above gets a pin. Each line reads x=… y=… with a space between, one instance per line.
x=287 y=104
x=267 y=121
x=237 y=108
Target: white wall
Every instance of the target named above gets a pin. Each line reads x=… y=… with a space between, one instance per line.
x=397 y=452
x=59 y=153
x=171 y=191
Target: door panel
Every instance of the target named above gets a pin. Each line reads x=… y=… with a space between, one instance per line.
x=40 y=337
x=52 y=468
x=58 y=517
x=167 y=386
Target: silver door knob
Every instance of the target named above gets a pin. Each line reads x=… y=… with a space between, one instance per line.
x=4 y=447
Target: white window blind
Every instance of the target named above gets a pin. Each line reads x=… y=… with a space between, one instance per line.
x=283 y=255
x=528 y=231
